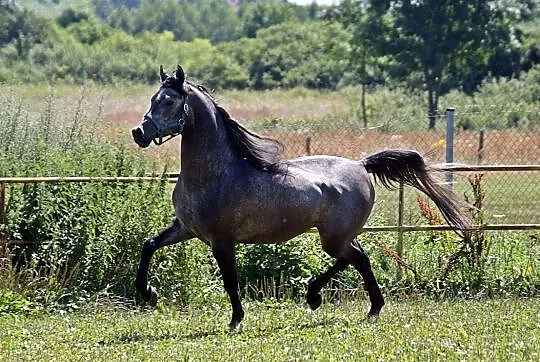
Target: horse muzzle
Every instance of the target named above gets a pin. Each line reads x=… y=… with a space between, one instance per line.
x=141 y=135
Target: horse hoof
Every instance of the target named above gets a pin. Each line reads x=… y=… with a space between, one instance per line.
x=373 y=313
x=152 y=301
x=235 y=326
x=315 y=302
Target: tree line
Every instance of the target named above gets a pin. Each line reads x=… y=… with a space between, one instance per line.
x=429 y=46
x=215 y=20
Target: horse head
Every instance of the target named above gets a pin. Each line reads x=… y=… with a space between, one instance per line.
x=169 y=111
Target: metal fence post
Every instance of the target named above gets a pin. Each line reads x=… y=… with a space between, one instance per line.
x=449 y=143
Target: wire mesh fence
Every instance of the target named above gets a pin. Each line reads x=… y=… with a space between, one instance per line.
x=510 y=196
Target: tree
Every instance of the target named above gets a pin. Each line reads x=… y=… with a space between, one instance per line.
x=312 y=55
x=263 y=15
x=430 y=37
x=365 y=65
x=71 y=16
x=21 y=28
x=219 y=20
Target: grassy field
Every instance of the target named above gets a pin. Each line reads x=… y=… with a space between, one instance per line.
x=85 y=131
x=510 y=197
x=502 y=330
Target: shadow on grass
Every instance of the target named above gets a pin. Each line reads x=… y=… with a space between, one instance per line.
x=135 y=336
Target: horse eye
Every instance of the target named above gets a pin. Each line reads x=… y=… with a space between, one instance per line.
x=169 y=102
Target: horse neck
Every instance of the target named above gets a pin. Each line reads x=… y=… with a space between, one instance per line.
x=206 y=151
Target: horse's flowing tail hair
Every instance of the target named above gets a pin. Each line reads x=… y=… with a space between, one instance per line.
x=407 y=166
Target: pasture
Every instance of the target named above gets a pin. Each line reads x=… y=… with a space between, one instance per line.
x=452 y=330
x=85 y=239
x=77 y=258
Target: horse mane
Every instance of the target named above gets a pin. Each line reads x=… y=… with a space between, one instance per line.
x=265 y=153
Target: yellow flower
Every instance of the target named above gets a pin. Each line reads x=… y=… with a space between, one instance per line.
x=439 y=144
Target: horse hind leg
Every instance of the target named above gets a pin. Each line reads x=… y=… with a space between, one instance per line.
x=333 y=246
x=313 y=296
x=346 y=253
x=360 y=260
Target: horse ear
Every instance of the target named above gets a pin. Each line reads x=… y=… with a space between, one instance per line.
x=162 y=74
x=180 y=74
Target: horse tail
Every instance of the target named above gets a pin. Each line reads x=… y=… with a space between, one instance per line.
x=409 y=167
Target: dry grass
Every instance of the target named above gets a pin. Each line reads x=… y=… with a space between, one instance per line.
x=121 y=108
x=500 y=147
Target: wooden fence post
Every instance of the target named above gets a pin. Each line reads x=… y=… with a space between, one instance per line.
x=2 y=218
x=480 y=153
x=308 y=145
x=399 y=246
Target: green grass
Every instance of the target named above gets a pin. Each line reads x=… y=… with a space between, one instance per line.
x=510 y=198
x=408 y=330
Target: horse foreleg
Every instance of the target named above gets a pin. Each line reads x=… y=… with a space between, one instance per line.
x=225 y=257
x=313 y=296
x=173 y=234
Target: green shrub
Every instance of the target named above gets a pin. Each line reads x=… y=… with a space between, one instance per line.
x=72 y=239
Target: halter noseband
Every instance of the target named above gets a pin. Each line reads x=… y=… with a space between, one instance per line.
x=171 y=129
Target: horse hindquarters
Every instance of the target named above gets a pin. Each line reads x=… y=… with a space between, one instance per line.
x=348 y=207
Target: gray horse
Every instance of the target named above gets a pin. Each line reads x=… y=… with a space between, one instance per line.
x=236 y=188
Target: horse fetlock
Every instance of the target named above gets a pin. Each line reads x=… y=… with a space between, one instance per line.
x=376 y=307
x=149 y=295
x=238 y=315
x=142 y=288
x=374 y=312
x=235 y=325
x=314 y=300
x=153 y=297
x=236 y=320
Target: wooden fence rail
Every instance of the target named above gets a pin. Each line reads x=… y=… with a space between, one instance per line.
x=172 y=178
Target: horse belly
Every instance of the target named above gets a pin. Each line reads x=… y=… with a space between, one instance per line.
x=275 y=221
x=273 y=232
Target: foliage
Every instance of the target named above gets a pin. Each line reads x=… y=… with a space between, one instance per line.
x=263 y=15
x=500 y=104
x=20 y=29
x=71 y=16
x=439 y=40
x=69 y=241
x=263 y=45
x=280 y=270
x=13 y=303
x=289 y=55
x=215 y=20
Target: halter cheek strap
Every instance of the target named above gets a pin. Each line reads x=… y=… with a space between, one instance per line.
x=171 y=129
